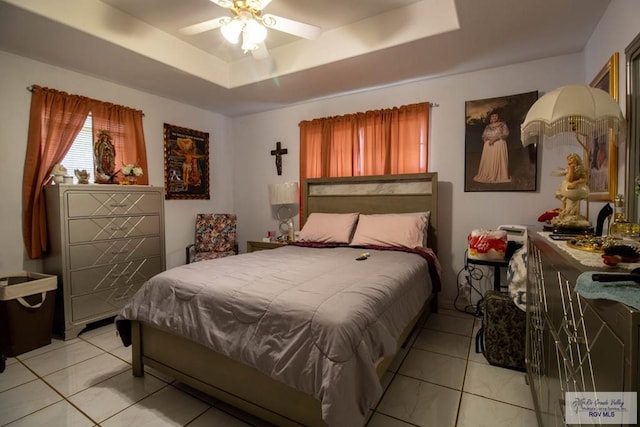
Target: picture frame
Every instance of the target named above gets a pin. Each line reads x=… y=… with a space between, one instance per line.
x=186 y=163
x=518 y=164
x=603 y=149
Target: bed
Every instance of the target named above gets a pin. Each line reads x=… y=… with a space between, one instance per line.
x=306 y=366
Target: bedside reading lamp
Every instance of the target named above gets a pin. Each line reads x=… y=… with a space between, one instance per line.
x=567 y=115
x=284 y=196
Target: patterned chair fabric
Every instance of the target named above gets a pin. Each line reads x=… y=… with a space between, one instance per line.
x=215 y=237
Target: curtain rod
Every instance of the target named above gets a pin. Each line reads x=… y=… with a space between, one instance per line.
x=30 y=89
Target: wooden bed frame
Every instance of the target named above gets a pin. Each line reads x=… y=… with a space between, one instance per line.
x=245 y=387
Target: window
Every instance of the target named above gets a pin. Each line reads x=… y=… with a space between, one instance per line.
x=62 y=118
x=380 y=142
x=391 y=141
x=80 y=155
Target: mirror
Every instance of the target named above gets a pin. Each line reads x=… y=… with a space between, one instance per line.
x=632 y=53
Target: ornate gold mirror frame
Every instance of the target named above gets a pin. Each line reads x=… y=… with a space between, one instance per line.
x=632 y=53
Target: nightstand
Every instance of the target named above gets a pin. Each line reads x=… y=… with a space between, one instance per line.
x=496 y=264
x=253 y=245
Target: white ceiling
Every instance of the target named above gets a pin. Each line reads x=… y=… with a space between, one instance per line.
x=364 y=44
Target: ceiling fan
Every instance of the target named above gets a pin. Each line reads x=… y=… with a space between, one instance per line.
x=249 y=22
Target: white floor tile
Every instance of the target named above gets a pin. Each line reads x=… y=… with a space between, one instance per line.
x=381 y=420
x=217 y=418
x=454 y=312
x=476 y=411
x=109 y=397
x=422 y=386
x=83 y=375
x=167 y=407
x=60 y=414
x=25 y=399
x=107 y=341
x=123 y=353
x=436 y=368
x=55 y=344
x=420 y=403
x=62 y=357
x=443 y=342
x=452 y=324
x=473 y=356
x=496 y=383
x=14 y=375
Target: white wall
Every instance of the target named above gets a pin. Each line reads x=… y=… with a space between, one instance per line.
x=459 y=212
x=619 y=25
x=617 y=28
x=18 y=73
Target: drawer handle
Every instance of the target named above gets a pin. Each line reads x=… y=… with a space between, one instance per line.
x=573 y=336
x=118 y=228
x=119 y=252
x=118 y=205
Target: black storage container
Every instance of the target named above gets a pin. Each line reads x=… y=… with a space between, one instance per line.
x=27 y=302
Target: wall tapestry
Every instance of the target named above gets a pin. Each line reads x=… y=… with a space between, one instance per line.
x=186 y=163
x=495 y=159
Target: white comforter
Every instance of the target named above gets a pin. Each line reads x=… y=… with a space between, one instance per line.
x=315 y=319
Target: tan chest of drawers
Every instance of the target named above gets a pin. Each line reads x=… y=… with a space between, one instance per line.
x=105 y=241
x=574 y=344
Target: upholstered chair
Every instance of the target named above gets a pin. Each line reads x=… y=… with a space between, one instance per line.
x=215 y=237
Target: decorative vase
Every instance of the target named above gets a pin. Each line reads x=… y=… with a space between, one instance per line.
x=132 y=179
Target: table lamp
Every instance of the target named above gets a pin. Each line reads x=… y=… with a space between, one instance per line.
x=284 y=196
x=569 y=115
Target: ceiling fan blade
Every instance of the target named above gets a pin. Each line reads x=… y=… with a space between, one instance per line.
x=258 y=4
x=300 y=29
x=212 y=24
x=227 y=4
x=261 y=52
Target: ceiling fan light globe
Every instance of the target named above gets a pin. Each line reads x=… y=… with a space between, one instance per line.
x=232 y=30
x=247 y=44
x=255 y=32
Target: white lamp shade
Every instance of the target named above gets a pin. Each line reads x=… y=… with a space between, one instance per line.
x=576 y=108
x=283 y=193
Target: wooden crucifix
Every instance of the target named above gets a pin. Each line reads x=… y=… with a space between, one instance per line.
x=279 y=152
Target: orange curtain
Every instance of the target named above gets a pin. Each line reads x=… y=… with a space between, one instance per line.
x=379 y=142
x=55 y=119
x=408 y=139
x=125 y=127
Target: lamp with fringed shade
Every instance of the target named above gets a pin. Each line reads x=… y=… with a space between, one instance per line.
x=569 y=115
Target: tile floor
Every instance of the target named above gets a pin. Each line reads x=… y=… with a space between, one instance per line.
x=437 y=381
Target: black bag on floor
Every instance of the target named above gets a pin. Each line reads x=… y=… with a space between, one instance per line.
x=501 y=338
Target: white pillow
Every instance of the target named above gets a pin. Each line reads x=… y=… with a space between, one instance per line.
x=328 y=228
x=391 y=230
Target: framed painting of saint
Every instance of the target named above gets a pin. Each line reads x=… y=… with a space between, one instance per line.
x=186 y=161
